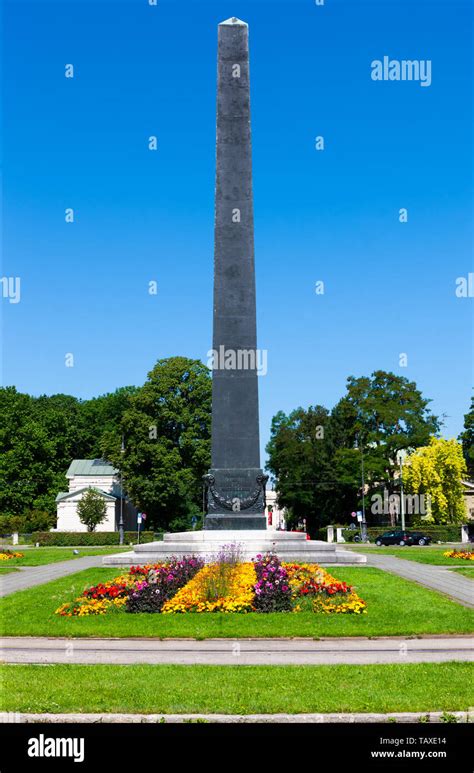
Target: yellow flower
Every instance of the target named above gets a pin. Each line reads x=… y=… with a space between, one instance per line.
x=10 y=554
x=467 y=555
x=193 y=596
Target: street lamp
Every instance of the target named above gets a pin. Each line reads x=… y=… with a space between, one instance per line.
x=400 y=457
x=363 y=523
x=363 y=526
x=121 y=529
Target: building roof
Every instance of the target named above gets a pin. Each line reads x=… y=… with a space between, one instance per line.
x=90 y=467
x=67 y=494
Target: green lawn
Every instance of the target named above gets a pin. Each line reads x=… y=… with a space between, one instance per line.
x=468 y=571
x=395 y=607
x=237 y=689
x=424 y=555
x=40 y=556
x=7 y=569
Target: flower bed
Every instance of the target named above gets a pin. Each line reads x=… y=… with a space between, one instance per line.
x=142 y=589
x=314 y=588
x=466 y=555
x=160 y=584
x=204 y=593
x=228 y=584
x=5 y=555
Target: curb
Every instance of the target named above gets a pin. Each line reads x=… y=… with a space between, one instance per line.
x=435 y=717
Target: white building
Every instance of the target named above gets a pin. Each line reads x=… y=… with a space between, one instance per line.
x=101 y=476
x=275 y=515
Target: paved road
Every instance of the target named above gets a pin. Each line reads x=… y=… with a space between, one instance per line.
x=439 y=578
x=237 y=652
x=28 y=576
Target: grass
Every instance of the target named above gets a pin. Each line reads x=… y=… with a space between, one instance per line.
x=423 y=555
x=8 y=569
x=395 y=607
x=468 y=571
x=40 y=556
x=237 y=689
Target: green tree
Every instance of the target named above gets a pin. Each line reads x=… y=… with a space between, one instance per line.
x=467 y=439
x=91 y=509
x=301 y=451
x=318 y=475
x=437 y=470
x=103 y=415
x=380 y=416
x=166 y=431
x=40 y=436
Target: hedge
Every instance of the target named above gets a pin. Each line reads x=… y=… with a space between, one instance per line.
x=78 y=538
x=437 y=533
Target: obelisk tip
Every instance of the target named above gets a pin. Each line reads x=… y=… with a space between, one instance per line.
x=234 y=22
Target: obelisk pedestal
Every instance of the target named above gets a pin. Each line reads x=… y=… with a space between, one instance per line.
x=235 y=483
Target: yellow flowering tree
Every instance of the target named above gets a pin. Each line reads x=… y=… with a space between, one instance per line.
x=436 y=470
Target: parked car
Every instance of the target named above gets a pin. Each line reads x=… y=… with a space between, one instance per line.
x=399 y=537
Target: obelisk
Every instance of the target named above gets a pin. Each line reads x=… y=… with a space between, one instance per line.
x=235 y=483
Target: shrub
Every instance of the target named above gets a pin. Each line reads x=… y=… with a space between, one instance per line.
x=34 y=520
x=11 y=523
x=37 y=520
x=83 y=538
x=349 y=534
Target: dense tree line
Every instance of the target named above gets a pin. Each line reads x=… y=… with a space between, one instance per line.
x=158 y=436
x=163 y=444
x=166 y=430
x=39 y=436
x=316 y=456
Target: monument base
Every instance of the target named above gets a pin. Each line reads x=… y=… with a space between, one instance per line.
x=288 y=545
x=235 y=522
x=235 y=499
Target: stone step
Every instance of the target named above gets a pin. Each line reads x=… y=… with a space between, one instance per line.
x=313 y=557
x=249 y=546
x=224 y=537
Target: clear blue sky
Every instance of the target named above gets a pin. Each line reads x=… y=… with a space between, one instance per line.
x=330 y=215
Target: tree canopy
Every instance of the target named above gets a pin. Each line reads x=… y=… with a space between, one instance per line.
x=467 y=439
x=437 y=470
x=91 y=509
x=40 y=436
x=318 y=471
x=166 y=431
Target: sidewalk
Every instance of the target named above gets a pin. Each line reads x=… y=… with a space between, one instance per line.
x=329 y=651
x=437 y=578
x=28 y=576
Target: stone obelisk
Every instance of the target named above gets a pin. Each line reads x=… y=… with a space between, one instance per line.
x=235 y=483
